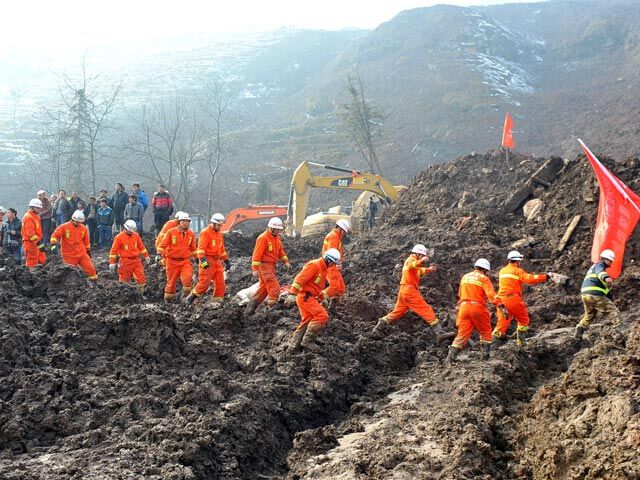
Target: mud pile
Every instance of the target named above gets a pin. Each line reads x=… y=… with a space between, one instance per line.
x=102 y=384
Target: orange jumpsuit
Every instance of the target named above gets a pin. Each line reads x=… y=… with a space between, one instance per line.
x=74 y=246
x=409 y=297
x=177 y=247
x=266 y=253
x=334 y=240
x=170 y=224
x=475 y=289
x=129 y=247
x=211 y=246
x=32 y=234
x=511 y=279
x=309 y=287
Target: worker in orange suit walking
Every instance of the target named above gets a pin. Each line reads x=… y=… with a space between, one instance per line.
x=169 y=224
x=128 y=247
x=32 y=235
x=73 y=237
x=511 y=278
x=409 y=297
x=309 y=293
x=212 y=255
x=178 y=247
x=334 y=240
x=475 y=289
x=267 y=252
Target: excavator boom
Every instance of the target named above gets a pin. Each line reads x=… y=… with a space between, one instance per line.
x=252 y=212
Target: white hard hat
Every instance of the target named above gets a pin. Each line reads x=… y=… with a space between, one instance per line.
x=608 y=255
x=130 y=226
x=183 y=216
x=515 y=256
x=217 y=218
x=177 y=215
x=35 y=202
x=275 y=222
x=344 y=224
x=332 y=255
x=419 y=248
x=41 y=192
x=483 y=263
x=78 y=216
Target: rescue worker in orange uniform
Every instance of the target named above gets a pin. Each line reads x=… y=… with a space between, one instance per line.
x=32 y=235
x=169 y=224
x=212 y=255
x=409 y=297
x=73 y=237
x=475 y=289
x=334 y=240
x=129 y=248
x=267 y=252
x=178 y=247
x=309 y=293
x=510 y=280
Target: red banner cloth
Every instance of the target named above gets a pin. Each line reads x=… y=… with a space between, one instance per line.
x=618 y=213
x=507 y=135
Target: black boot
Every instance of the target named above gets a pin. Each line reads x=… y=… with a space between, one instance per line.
x=485 y=351
x=453 y=355
x=579 y=332
x=381 y=326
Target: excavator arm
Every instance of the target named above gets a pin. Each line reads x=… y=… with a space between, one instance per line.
x=302 y=181
x=252 y=212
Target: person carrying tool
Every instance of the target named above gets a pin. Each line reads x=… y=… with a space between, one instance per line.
x=31 y=231
x=212 y=255
x=267 y=252
x=596 y=294
x=178 y=247
x=129 y=248
x=309 y=293
x=73 y=237
x=334 y=240
x=511 y=278
x=169 y=224
x=475 y=289
x=409 y=298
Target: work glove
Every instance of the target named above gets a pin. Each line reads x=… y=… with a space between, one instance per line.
x=54 y=248
x=112 y=267
x=204 y=263
x=148 y=260
x=40 y=245
x=227 y=265
x=254 y=273
x=288 y=267
x=290 y=300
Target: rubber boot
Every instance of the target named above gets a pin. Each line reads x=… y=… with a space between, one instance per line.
x=309 y=340
x=381 y=326
x=499 y=337
x=441 y=335
x=485 y=351
x=190 y=299
x=168 y=297
x=521 y=337
x=296 y=339
x=579 y=332
x=251 y=308
x=452 y=357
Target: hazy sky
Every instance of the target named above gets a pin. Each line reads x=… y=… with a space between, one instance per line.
x=50 y=24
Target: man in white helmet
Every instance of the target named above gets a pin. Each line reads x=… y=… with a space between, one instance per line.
x=178 y=247
x=510 y=279
x=211 y=257
x=334 y=240
x=127 y=251
x=475 y=289
x=73 y=238
x=267 y=252
x=409 y=297
x=32 y=235
x=309 y=291
x=596 y=293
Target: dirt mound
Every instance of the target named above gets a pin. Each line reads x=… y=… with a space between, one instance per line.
x=100 y=383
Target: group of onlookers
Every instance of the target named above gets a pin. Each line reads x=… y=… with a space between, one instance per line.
x=104 y=214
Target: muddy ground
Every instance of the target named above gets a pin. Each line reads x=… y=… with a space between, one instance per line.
x=101 y=384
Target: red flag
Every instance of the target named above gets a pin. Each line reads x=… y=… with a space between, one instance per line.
x=507 y=135
x=618 y=213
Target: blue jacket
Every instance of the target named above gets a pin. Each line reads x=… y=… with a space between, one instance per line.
x=142 y=199
x=105 y=216
x=594 y=282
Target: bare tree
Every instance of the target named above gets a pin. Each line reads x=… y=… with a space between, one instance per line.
x=362 y=120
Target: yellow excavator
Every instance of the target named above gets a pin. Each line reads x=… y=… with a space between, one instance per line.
x=298 y=224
